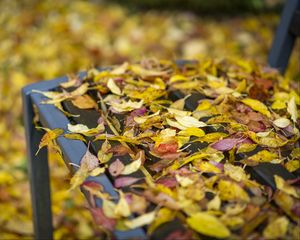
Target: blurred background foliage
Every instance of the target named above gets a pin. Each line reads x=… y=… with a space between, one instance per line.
x=45 y=39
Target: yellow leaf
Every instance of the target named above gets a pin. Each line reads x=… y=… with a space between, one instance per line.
x=70 y=83
x=207 y=224
x=270 y=140
x=292 y=109
x=178 y=78
x=278 y=104
x=142 y=220
x=120 y=69
x=143 y=119
x=186 y=85
x=80 y=175
x=88 y=163
x=188 y=121
x=97 y=171
x=113 y=87
x=75 y=136
x=164 y=215
x=122 y=208
x=177 y=112
x=283 y=186
x=50 y=94
x=214 y=204
x=257 y=106
x=295 y=153
x=132 y=167
x=175 y=124
x=192 y=131
x=137 y=69
x=6 y=178
x=109 y=208
x=246 y=147
x=125 y=106
x=241 y=87
x=264 y=156
x=277 y=228
x=232 y=191
x=233 y=222
x=48 y=137
x=281 y=122
x=204 y=105
x=80 y=90
x=179 y=104
x=83 y=129
x=213 y=137
x=184 y=181
x=235 y=172
x=292 y=165
x=77 y=128
x=206 y=167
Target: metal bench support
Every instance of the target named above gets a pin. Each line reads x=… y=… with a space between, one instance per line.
x=38 y=175
x=286 y=34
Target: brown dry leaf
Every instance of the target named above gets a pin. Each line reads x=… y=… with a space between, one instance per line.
x=84 y=102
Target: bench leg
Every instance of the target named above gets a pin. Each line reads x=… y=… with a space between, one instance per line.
x=38 y=175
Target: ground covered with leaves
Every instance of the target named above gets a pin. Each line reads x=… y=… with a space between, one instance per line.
x=40 y=42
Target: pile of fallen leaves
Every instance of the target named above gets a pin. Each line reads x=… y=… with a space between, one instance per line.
x=41 y=40
x=177 y=141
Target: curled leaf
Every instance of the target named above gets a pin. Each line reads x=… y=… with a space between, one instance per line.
x=113 y=87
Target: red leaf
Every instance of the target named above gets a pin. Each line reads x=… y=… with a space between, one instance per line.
x=180 y=234
x=101 y=219
x=125 y=181
x=225 y=144
x=119 y=150
x=169 y=182
x=164 y=148
x=93 y=185
x=256 y=126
